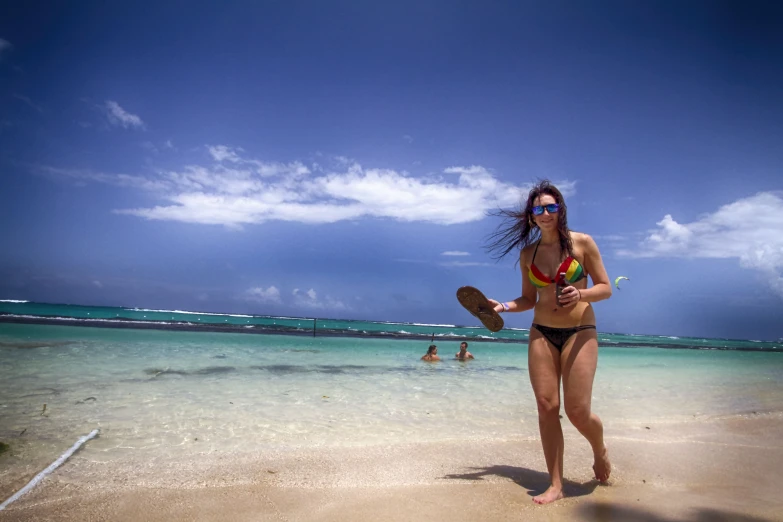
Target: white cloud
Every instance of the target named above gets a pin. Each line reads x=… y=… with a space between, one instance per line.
x=120 y=180
x=750 y=230
x=5 y=45
x=460 y=264
x=29 y=102
x=235 y=191
x=408 y=138
x=98 y=283
x=223 y=153
x=455 y=253
x=120 y=117
x=263 y=295
x=310 y=300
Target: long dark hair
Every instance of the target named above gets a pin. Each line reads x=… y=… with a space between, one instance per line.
x=431 y=349
x=518 y=230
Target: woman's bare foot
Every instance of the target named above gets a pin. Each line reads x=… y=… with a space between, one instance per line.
x=550 y=495
x=602 y=466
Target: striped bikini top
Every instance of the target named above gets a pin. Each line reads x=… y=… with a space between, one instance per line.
x=573 y=271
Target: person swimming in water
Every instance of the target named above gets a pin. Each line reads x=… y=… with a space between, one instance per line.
x=555 y=263
x=464 y=354
x=431 y=355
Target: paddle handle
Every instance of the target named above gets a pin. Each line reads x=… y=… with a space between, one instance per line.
x=560 y=284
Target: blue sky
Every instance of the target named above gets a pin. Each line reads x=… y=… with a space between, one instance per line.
x=337 y=159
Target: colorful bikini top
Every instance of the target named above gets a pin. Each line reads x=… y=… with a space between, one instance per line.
x=573 y=271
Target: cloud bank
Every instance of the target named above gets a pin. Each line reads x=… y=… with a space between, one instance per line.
x=263 y=295
x=5 y=46
x=233 y=190
x=750 y=230
x=122 y=118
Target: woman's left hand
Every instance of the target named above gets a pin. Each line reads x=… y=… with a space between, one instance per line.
x=496 y=305
x=570 y=296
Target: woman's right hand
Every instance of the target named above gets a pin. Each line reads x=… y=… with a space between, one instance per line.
x=496 y=305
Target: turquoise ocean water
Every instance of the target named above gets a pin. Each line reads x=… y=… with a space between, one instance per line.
x=180 y=383
x=179 y=320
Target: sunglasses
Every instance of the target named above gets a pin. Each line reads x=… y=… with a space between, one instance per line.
x=552 y=208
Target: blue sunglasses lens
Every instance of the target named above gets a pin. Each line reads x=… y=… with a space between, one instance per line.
x=551 y=208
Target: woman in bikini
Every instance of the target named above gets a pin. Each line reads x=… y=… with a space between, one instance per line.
x=563 y=342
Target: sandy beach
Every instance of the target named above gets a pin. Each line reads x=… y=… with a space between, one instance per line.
x=725 y=468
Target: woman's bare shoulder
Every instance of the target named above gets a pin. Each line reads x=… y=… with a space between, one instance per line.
x=581 y=239
x=584 y=244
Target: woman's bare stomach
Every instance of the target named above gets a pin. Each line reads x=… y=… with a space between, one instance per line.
x=547 y=313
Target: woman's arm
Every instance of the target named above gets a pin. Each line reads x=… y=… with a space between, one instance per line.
x=602 y=288
x=529 y=293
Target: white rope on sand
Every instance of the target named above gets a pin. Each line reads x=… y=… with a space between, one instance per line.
x=53 y=466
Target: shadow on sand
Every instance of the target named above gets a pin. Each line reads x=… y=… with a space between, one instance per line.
x=607 y=512
x=535 y=482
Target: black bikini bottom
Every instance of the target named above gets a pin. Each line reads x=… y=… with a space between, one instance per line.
x=559 y=336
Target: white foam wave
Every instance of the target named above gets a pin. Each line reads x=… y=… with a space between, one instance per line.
x=185 y=312
x=12 y=301
x=415 y=324
x=85 y=319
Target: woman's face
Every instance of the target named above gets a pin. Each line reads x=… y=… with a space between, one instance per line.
x=546 y=221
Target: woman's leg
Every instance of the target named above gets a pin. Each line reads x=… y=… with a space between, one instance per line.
x=544 y=367
x=579 y=361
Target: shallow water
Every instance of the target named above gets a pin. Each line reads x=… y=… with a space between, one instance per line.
x=179 y=392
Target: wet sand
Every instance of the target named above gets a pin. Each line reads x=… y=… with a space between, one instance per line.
x=725 y=468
